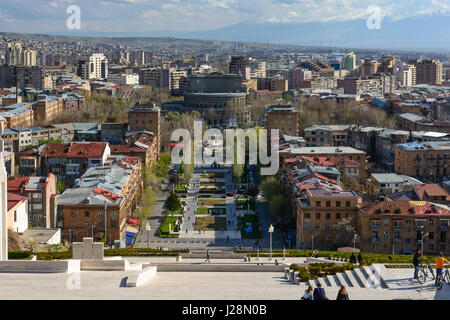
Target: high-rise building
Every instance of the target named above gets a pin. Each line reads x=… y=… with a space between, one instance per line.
x=238 y=65
x=93 y=67
x=15 y=55
x=408 y=77
x=368 y=67
x=295 y=76
x=428 y=71
x=387 y=64
x=349 y=61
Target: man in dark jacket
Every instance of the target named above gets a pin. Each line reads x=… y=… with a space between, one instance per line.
x=319 y=293
x=353 y=258
x=416 y=262
x=359 y=258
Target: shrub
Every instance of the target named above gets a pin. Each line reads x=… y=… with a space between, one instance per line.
x=304 y=276
x=54 y=255
x=18 y=254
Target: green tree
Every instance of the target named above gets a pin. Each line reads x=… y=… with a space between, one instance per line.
x=270 y=187
x=173 y=202
x=279 y=207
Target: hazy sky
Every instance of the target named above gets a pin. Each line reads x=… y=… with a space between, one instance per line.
x=42 y=16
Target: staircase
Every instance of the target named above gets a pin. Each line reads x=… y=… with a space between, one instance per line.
x=367 y=277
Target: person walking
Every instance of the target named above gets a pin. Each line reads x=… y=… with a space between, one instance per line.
x=207 y=256
x=308 y=295
x=439 y=266
x=342 y=294
x=319 y=293
x=416 y=262
x=360 y=258
x=316 y=253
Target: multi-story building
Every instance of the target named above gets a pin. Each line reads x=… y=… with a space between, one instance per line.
x=272 y=84
x=48 y=109
x=103 y=194
x=330 y=152
x=238 y=65
x=398 y=227
x=428 y=71
x=428 y=161
x=124 y=79
x=18 y=118
x=146 y=117
x=318 y=136
x=326 y=219
x=295 y=76
x=22 y=76
x=368 y=67
x=349 y=62
x=41 y=193
x=283 y=118
x=408 y=77
x=139 y=145
x=68 y=161
x=374 y=84
x=93 y=67
x=381 y=184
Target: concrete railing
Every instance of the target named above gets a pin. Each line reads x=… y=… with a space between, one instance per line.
x=141 y=278
x=40 y=266
x=216 y=267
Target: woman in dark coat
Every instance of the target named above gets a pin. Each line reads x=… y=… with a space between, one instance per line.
x=342 y=294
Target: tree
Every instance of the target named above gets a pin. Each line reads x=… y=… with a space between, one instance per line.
x=270 y=187
x=252 y=191
x=238 y=170
x=279 y=207
x=173 y=202
x=148 y=200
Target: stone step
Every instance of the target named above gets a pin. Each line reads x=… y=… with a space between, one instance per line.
x=370 y=277
x=354 y=278
x=377 y=273
x=312 y=283
x=325 y=282
x=365 y=279
x=337 y=280
x=345 y=280
x=332 y=281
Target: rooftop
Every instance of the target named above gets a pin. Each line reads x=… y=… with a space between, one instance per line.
x=406 y=208
x=74 y=150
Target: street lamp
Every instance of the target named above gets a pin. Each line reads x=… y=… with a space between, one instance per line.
x=355 y=235
x=147 y=227
x=421 y=242
x=270 y=232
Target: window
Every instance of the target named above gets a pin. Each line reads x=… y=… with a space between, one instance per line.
x=307 y=216
x=317 y=203
x=15 y=215
x=386 y=222
x=347 y=203
x=99 y=224
x=431 y=235
x=338 y=215
x=86 y=213
x=386 y=235
x=100 y=214
x=86 y=224
x=318 y=216
x=328 y=203
x=327 y=227
x=317 y=226
x=328 y=216
x=431 y=222
x=73 y=225
x=328 y=237
x=338 y=203
x=442 y=247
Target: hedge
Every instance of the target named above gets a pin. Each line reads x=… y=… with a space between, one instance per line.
x=19 y=255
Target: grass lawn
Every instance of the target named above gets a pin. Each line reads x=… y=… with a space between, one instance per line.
x=202 y=210
x=211 y=195
x=179 y=211
x=164 y=229
x=254 y=220
x=210 y=223
x=180 y=188
x=211 y=202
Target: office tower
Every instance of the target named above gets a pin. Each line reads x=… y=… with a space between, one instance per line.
x=93 y=67
x=349 y=61
x=428 y=71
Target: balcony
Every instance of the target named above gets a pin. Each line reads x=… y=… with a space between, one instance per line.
x=397 y=240
x=443 y=241
x=420 y=227
x=375 y=240
x=397 y=227
x=443 y=227
x=375 y=227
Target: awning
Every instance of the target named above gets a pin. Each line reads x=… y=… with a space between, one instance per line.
x=130 y=236
x=133 y=221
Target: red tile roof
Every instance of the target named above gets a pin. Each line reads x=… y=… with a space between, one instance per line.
x=14 y=200
x=405 y=208
x=431 y=190
x=74 y=150
x=16 y=184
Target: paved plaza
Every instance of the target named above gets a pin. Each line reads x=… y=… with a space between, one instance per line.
x=197 y=286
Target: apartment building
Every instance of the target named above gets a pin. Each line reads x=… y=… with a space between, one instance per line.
x=381 y=184
x=48 y=109
x=101 y=201
x=272 y=84
x=283 y=118
x=94 y=66
x=428 y=71
x=326 y=219
x=398 y=227
x=139 y=145
x=148 y=118
x=427 y=161
x=327 y=135
x=68 y=161
x=41 y=193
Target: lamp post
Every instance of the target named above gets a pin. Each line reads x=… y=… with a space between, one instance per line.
x=270 y=232
x=106 y=223
x=355 y=235
x=70 y=235
x=421 y=242
x=148 y=228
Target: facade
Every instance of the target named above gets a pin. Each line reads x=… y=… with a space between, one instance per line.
x=326 y=219
x=272 y=84
x=17 y=213
x=381 y=184
x=48 y=109
x=349 y=62
x=3 y=204
x=41 y=193
x=124 y=79
x=93 y=67
x=139 y=145
x=238 y=65
x=295 y=76
x=397 y=227
x=16 y=55
x=428 y=161
x=105 y=193
x=428 y=71
x=283 y=118
x=146 y=118
x=373 y=84
x=68 y=161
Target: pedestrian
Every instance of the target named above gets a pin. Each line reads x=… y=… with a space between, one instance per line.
x=416 y=262
x=276 y=262
x=308 y=294
x=439 y=266
x=353 y=258
x=207 y=257
x=342 y=294
x=360 y=258
x=310 y=254
x=319 y=293
x=316 y=253
x=186 y=230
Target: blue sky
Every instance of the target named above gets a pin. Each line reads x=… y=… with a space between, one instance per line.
x=40 y=16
